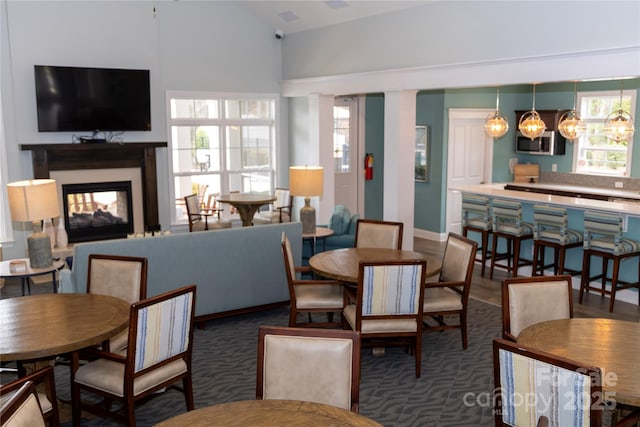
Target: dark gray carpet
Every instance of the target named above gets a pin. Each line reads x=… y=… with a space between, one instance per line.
x=453 y=380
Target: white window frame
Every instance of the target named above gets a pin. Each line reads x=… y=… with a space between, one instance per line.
x=221 y=122
x=582 y=140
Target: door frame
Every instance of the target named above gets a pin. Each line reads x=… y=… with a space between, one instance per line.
x=357 y=120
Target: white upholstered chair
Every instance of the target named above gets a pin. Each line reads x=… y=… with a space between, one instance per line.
x=450 y=294
x=21 y=408
x=279 y=211
x=530 y=300
x=47 y=402
x=123 y=277
x=378 y=234
x=310 y=295
x=150 y=363
x=314 y=365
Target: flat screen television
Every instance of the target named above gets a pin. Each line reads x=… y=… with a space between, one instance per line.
x=73 y=99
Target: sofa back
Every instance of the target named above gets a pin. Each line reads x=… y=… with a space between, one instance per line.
x=233 y=268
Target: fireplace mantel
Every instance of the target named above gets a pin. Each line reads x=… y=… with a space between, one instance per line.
x=54 y=157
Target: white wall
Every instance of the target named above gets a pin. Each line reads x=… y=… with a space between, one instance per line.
x=205 y=46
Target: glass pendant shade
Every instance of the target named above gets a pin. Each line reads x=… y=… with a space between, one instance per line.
x=496 y=125
x=619 y=126
x=571 y=126
x=530 y=124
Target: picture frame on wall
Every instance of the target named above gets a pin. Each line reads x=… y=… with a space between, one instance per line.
x=422 y=154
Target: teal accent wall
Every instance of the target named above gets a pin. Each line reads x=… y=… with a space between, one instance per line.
x=374 y=143
x=432 y=109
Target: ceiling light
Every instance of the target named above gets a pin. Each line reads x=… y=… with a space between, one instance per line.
x=619 y=125
x=570 y=124
x=496 y=125
x=530 y=124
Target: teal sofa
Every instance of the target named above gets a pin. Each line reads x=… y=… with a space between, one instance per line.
x=235 y=270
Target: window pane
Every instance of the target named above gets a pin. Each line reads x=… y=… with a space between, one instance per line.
x=341 y=143
x=203 y=185
x=249 y=109
x=194 y=108
x=195 y=148
x=248 y=147
x=258 y=181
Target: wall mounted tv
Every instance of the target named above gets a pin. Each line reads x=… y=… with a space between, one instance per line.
x=73 y=99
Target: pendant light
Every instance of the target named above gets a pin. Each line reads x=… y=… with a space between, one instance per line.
x=530 y=124
x=619 y=125
x=496 y=125
x=570 y=124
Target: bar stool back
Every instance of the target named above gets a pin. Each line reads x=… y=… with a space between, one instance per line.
x=551 y=229
x=508 y=224
x=603 y=237
x=476 y=217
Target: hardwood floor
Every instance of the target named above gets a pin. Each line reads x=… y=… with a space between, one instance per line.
x=488 y=290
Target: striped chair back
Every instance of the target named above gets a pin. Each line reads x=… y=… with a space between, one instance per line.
x=392 y=289
x=552 y=224
x=604 y=232
x=507 y=218
x=531 y=384
x=164 y=327
x=476 y=211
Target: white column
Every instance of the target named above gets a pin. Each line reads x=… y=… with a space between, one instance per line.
x=321 y=139
x=399 y=160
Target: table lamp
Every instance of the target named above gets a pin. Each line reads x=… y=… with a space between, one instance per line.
x=35 y=200
x=306 y=181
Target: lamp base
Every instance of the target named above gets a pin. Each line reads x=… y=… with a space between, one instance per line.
x=39 y=246
x=308 y=217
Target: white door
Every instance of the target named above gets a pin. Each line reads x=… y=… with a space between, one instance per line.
x=470 y=158
x=346 y=154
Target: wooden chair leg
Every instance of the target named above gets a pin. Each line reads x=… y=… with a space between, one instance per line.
x=614 y=282
x=485 y=242
x=494 y=252
x=586 y=271
x=605 y=266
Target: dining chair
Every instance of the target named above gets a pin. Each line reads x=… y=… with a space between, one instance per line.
x=21 y=408
x=196 y=212
x=387 y=307
x=532 y=387
x=530 y=300
x=44 y=386
x=310 y=295
x=378 y=234
x=280 y=210
x=119 y=276
x=158 y=356
x=314 y=365
x=450 y=294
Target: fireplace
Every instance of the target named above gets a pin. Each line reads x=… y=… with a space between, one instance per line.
x=97 y=211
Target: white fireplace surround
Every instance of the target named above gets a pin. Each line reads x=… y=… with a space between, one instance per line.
x=88 y=176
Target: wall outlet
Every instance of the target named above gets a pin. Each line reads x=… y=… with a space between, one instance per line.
x=618 y=184
x=554 y=167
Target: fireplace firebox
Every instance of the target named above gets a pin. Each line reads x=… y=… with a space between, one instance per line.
x=97 y=211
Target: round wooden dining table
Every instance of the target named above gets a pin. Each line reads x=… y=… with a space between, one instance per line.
x=611 y=345
x=343 y=264
x=39 y=326
x=270 y=413
x=247 y=204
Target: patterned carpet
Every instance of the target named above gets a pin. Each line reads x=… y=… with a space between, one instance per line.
x=454 y=389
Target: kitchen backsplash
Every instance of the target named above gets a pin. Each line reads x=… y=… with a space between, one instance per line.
x=630 y=184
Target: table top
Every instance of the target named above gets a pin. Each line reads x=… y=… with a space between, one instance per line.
x=246 y=198
x=50 y=324
x=611 y=345
x=269 y=413
x=343 y=264
x=320 y=233
x=5 y=270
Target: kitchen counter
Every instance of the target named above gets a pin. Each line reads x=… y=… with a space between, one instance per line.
x=630 y=205
x=576 y=191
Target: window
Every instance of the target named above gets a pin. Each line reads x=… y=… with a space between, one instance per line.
x=594 y=153
x=220 y=144
x=341 y=142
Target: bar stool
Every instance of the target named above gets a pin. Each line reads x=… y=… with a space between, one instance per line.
x=508 y=224
x=603 y=237
x=476 y=217
x=550 y=230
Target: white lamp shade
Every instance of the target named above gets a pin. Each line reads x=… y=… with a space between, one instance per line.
x=305 y=181
x=33 y=200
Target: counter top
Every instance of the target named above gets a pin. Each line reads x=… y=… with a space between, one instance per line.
x=606 y=192
x=498 y=190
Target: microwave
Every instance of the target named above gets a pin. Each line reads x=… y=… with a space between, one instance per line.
x=549 y=144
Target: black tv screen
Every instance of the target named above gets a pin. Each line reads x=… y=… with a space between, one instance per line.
x=71 y=99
